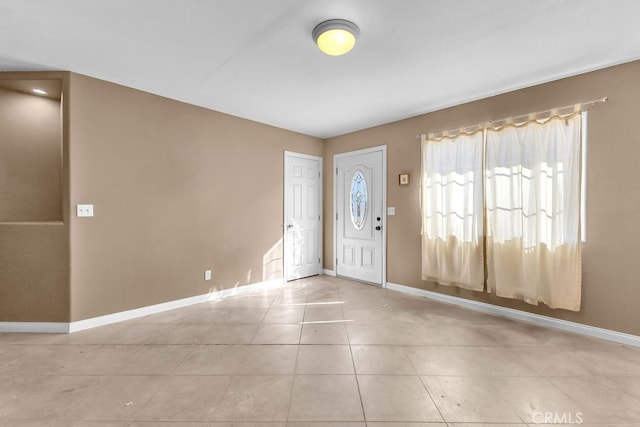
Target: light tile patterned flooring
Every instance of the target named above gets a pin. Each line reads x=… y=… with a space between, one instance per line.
x=317 y=352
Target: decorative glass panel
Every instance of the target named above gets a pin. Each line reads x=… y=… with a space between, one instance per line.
x=359 y=200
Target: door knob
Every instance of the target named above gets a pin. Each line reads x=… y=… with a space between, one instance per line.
x=378 y=228
x=289 y=226
x=378 y=219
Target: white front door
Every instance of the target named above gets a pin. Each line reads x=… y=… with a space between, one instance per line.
x=360 y=214
x=302 y=215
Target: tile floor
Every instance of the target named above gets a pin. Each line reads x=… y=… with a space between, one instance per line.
x=317 y=352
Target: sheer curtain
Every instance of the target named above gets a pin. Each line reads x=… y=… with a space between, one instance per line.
x=452 y=220
x=532 y=202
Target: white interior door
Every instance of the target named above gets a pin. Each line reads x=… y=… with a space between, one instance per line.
x=302 y=215
x=360 y=220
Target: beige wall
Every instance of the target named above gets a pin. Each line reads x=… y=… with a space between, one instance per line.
x=610 y=267
x=34 y=249
x=30 y=158
x=177 y=189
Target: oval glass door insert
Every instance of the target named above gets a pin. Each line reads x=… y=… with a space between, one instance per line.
x=359 y=200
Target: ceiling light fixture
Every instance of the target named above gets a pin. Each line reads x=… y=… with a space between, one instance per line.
x=336 y=36
x=39 y=91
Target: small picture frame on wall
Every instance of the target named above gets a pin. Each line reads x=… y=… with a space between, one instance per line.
x=403 y=179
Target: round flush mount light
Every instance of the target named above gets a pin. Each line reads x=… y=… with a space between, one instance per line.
x=335 y=37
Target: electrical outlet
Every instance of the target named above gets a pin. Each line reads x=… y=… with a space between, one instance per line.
x=84 y=210
x=207 y=275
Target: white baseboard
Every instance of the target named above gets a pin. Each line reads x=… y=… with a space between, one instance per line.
x=80 y=325
x=329 y=273
x=537 y=319
x=35 y=327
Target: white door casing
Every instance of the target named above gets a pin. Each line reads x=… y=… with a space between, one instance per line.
x=360 y=215
x=302 y=215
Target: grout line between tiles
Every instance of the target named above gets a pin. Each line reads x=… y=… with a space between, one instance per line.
x=295 y=366
x=355 y=372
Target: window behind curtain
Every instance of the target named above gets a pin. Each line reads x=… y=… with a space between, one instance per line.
x=452 y=211
x=531 y=201
x=533 y=212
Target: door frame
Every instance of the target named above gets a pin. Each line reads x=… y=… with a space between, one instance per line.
x=320 y=239
x=382 y=148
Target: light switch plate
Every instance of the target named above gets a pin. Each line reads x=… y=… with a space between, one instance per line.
x=84 y=210
x=207 y=275
x=391 y=210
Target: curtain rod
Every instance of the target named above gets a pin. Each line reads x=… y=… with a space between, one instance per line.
x=551 y=110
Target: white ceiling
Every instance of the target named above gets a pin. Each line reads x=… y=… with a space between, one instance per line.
x=256 y=59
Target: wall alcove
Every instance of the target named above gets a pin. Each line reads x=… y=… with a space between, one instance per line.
x=34 y=231
x=30 y=151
